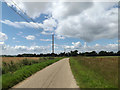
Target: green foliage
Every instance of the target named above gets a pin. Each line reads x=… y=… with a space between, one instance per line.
x=10 y=79
x=12 y=67
x=25 y=62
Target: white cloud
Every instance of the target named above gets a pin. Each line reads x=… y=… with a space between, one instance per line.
x=47 y=25
x=63 y=10
x=76 y=45
x=46 y=33
x=96 y=47
x=14 y=50
x=1 y=43
x=45 y=40
x=13 y=38
x=18 y=49
x=91 y=24
x=22 y=24
x=30 y=37
x=3 y=37
x=11 y=23
x=32 y=9
x=85 y=20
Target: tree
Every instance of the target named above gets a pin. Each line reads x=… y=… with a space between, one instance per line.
x=93 y=53
x=102 y=53
x=118 y=53
x=74 y=53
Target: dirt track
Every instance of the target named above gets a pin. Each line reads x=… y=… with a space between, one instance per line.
x=57 y=75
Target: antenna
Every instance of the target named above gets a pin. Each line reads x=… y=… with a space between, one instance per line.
x=64 y=51
x=53 y=44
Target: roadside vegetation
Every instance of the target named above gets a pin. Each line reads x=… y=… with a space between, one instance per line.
x=15 y=63
x=95 y=72
x=13 y=73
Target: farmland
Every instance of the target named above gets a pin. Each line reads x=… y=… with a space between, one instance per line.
x=95 y=72
x=18 y=59
x=89 y=72
x=17 y=69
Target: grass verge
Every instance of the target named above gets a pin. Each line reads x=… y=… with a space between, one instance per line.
x=87 y=77
x=11 y=79
x=13 y=65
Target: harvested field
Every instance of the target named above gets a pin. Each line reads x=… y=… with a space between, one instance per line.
x=17 y=59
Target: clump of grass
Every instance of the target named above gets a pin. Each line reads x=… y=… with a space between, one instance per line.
x=10 y=79
x=89 y=73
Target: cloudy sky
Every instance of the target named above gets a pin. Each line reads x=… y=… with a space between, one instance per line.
x=85 y=26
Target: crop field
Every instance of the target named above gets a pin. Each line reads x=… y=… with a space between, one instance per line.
x=95 y=72
x=17 y=59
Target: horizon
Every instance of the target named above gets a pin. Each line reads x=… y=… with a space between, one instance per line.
x=113 y=53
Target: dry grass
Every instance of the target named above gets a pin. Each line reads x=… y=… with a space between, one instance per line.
x=105 y=66
x=17 y=59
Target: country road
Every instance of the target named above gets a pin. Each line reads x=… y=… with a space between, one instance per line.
x=57 y=75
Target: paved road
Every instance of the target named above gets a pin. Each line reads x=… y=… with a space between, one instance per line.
x=57 y=75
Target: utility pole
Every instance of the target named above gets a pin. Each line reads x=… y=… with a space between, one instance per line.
x=53 y=45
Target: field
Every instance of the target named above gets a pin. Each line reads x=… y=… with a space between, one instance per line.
x=95 y=72
x=18 y=59
x=89 y=72
x=14 y=71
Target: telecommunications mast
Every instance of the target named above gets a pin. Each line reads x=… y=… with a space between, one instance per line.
x=53 y=44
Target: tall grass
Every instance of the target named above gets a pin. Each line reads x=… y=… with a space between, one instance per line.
x=10 y=79
x=94 y=72
x=13 y=66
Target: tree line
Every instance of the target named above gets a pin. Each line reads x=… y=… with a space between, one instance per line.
x=68 y=54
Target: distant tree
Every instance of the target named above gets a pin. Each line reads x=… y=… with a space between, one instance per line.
x=103 y=53
x=118 y=53
x=19 y=55
x=71 y=53
x=111 y=53
x=93 y=53
x=74 y=53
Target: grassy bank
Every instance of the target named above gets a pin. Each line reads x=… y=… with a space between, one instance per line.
x=13 y=65
x=95 y=72
x=11 y=79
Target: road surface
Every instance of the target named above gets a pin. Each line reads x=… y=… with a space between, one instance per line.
x=57 y=75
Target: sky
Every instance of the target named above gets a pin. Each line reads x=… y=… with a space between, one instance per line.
x=82 y=26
